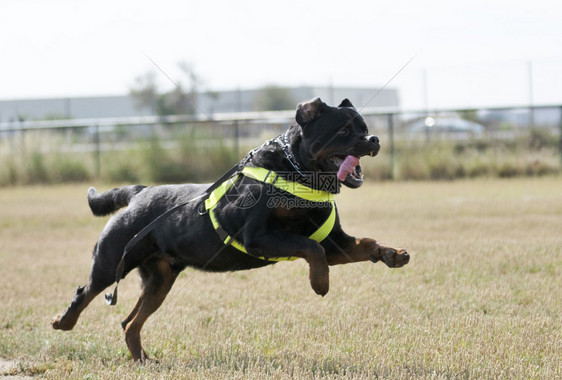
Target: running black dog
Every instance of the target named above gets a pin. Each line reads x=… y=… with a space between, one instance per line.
x=276 y=204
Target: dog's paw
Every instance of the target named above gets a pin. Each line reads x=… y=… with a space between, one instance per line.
x=61 y=323
x=320 y=281
x=395 y=258
x=321 y=289
x=56 y=323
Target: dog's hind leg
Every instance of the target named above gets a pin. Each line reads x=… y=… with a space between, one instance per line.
x=132 y=314
x=68 y=320
x=84 y=295
x=157 y=278
x=107 y=254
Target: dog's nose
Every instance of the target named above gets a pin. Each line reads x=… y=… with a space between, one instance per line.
x=374 y=139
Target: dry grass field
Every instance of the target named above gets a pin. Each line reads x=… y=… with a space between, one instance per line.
x=480 y=299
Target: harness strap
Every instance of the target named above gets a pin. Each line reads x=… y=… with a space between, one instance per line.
x=219 y=192
x=295 y=188
x=272 y=178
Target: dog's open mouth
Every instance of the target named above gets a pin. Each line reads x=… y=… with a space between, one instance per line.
x=349 y=170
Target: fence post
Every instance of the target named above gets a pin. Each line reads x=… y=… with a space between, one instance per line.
x=22 y=133
x=237 y=139
x=390 y=118
x=97 y=151
x=237 y=130
x=560 y=137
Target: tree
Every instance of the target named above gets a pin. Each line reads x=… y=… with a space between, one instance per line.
x=145 y=91
x=175 y=102
x=274 y=98
x=178 y=101
x=470 y=115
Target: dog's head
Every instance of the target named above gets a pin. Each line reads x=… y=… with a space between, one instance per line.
x=330 y=135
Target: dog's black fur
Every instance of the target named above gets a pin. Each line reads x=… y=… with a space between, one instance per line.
x=319 y=142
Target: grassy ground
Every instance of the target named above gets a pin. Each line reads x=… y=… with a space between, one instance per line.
x=481 y=297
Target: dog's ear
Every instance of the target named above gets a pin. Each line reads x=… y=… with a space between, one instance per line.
x=346 y=103
x=309 y=110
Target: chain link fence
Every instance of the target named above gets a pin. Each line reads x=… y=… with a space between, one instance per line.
x=429 y=144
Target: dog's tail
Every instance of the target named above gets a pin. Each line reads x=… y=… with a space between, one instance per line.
x=112 y=200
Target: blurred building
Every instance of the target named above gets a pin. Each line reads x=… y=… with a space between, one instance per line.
x=207 y=103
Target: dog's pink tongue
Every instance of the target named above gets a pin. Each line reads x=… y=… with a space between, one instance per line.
x=347 y=166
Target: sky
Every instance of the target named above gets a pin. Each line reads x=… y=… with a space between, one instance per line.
x=438 y=53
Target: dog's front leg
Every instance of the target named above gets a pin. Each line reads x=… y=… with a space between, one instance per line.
x=271 y=246
x=344 y=249
x=369 y=249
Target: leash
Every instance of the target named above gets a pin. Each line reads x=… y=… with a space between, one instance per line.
x=111 y=298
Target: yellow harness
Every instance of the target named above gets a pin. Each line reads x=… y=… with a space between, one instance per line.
x=272 y=178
